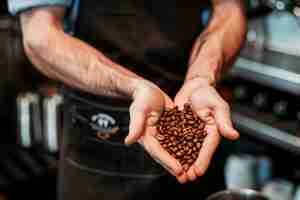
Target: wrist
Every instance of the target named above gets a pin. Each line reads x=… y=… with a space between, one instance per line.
x=115 y=84
x=200 y=80
x=129 y=86
x=207 y=72
x=208 y=63
x=140 y=84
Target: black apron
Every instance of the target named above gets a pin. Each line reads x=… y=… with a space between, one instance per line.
x=95 y=164
x=155 y=36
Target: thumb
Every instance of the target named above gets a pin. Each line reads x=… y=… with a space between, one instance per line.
x=224 y=124
x=136 y=126
x=139 y=119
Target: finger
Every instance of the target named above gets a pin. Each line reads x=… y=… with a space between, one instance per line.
x=181 y=98
x=183 y=178
x=168 y=102
x=224 y=123
x=210 y=145
x=205 y=115
x=136 y=126
x=154 y=148
x=152 y=118
x=192 y=176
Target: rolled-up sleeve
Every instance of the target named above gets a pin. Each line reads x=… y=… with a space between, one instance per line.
x=16 y=6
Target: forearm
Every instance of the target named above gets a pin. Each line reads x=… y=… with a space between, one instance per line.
x=216 y=48
x=70 y=60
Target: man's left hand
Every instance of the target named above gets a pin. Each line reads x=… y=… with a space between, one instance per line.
x=211 y=108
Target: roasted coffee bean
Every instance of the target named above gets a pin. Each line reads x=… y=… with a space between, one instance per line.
x=160 y=137
x=186 y=148
x=186 y=167
x=189 y=137
x=175 y=133
x=191 y=122
x=179 y=154
x=174 y=143
x=195 y=156
x=181 y=133
x=190 y=161
x=200 y=125
x=186 y=157
x=187 y=116
x=189 y=152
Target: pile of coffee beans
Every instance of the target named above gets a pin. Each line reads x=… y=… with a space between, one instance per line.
x=181 y=133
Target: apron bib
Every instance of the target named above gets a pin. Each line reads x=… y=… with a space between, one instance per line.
x=95 y=164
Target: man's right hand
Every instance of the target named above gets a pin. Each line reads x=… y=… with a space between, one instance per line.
x=75 y=63
x=148 y=104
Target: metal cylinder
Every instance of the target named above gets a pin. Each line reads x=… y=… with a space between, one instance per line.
x=243 y=194
x=52 y=122
x=29 y=120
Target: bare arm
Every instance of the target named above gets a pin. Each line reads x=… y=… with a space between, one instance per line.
x=65 y=58
x=213 y=52
x=216 y=48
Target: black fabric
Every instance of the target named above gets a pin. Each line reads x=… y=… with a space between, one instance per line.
x=16 y=71
x=153 y=39
x=14 y=68
x=94 y=168
x=156 y=35
x=3 y=7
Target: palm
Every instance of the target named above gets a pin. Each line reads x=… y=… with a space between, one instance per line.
x=149 y=103
x=210 y=143
x=153 y=147
x=212 y=109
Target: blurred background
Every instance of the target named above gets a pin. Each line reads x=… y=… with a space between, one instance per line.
x=263 y=89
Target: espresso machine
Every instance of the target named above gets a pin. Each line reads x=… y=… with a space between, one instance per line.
x=266 y=77
x=263 y=88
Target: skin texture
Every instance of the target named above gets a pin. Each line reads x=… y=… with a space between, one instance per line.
x=86 y=68
x=213 y=53
x=67 y=59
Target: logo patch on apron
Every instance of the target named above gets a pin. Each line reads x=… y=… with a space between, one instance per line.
x=104 y=124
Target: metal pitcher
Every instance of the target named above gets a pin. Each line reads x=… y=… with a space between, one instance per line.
x=243 y=194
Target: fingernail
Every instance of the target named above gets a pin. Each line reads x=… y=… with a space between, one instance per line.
x=182 y=179
x=230 y=133
x=127 y=141
x=236 y=134
x=233 y=134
